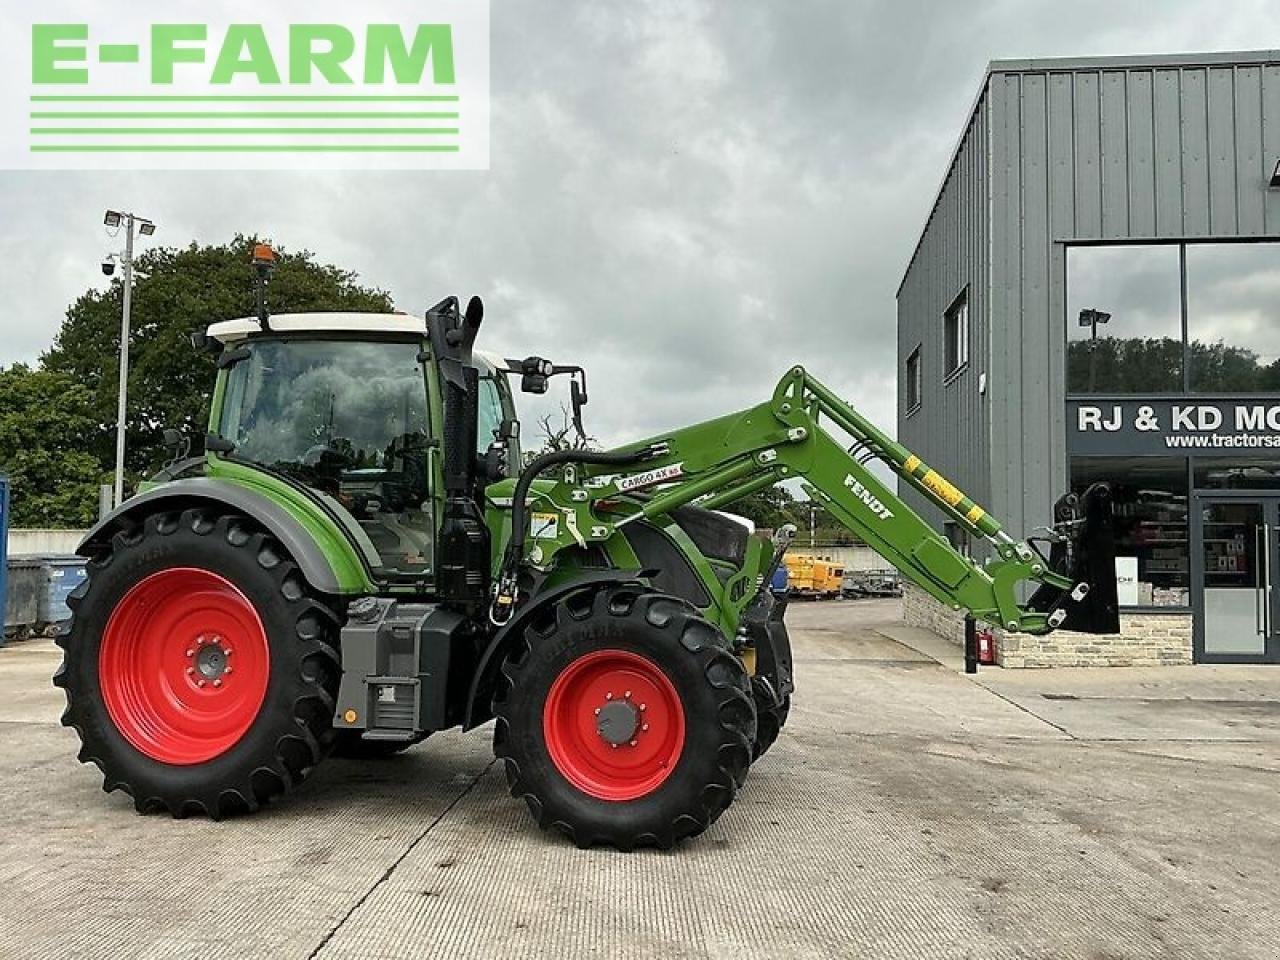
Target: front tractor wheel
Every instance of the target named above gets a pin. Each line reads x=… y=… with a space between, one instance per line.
x=623 y=719
x=199 y=670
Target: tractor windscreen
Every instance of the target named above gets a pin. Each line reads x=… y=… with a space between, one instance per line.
x=349 y=420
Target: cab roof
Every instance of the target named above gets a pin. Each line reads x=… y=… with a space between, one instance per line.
x=232 y=331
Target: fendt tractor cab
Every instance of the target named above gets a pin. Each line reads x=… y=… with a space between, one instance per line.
x=362 y=557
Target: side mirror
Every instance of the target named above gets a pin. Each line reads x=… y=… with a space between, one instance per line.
x=578 y=399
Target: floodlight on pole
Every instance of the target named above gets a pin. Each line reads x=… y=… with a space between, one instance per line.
x=146 y=228
x=1092 y=319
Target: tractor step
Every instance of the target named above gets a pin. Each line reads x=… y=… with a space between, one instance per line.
x=389 y=736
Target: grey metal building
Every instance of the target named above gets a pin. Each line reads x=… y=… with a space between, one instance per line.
x=1096 y=295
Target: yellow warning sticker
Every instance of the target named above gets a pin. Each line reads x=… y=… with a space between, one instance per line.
x=975 y=514
x=912 y=462
x=943 y=487
x=544 y=526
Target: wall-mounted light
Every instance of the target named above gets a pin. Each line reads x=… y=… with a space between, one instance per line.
x=1275 y=177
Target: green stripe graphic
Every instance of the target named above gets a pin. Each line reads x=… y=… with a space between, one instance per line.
x=222 y=115
x=245 y=148
x=276 y=131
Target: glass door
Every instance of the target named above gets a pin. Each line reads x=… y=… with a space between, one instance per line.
x=1237 y=556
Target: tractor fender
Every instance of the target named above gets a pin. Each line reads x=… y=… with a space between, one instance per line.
x=486 y=675
x=279 y=522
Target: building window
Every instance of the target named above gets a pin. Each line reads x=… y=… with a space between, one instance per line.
x=956 y=333
x=1237 y=473
x=1124 y=319
x=914 y=381
x=1150 y=517
x=1233 y=317
x=1125 y=309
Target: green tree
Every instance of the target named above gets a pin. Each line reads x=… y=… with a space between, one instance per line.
x=44 y=419
x=768 y=509
x=177 y=292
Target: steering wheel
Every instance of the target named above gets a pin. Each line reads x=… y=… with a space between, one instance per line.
x=314 y=454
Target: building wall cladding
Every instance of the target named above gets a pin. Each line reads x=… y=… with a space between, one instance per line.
x=951 y=430
x=1055 y=151
x=1145 y=639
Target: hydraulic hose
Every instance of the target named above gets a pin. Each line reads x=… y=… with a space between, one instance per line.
x=505 y=594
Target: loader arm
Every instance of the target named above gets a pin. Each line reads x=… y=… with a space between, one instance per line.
x=714 y=463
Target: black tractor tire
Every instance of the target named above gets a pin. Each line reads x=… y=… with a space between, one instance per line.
x=297 y=668
x=685 y=656
x=771 y=717
x=350 y=745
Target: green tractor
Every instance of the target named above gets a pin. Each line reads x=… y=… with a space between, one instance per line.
x=362 y=557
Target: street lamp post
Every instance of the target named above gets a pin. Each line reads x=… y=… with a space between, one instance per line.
x=146 y=228
x=1090 y=317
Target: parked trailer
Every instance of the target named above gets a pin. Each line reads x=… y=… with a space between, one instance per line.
x=871 y=583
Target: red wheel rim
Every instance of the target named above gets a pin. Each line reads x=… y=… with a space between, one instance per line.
x=614 y=725
x=183 y=665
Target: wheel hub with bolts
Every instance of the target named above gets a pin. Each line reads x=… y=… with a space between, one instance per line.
x=209 y=660
x=620 y=721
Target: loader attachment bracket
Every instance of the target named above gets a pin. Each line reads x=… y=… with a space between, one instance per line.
x=1083 y=552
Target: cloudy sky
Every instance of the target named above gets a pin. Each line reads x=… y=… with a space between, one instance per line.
x=685 y=195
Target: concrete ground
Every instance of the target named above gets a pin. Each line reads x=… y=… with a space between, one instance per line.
x=906 y=811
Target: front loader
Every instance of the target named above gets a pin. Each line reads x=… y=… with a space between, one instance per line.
x=361 y=558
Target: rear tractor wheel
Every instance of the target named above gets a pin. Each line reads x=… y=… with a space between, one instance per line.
x=199 y=670
x=623 y=719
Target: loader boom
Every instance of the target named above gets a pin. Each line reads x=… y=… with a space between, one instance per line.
x=714 y=463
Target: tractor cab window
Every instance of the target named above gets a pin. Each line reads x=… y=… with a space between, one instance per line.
x=348 y=420
x=494 y=406
x=489 y=413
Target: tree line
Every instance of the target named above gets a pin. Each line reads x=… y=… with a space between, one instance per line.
x=58 y=417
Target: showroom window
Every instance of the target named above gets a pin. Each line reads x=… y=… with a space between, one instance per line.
x=1124 y=319
x=956 y=334
x=1125 y=326
x=1237 y=473
x=914 y=380
x=1150 y=524
x=1233 y=317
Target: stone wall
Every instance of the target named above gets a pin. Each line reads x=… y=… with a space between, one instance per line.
x=1145 y=639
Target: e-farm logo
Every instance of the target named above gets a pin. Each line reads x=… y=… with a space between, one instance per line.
x=330 y=90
